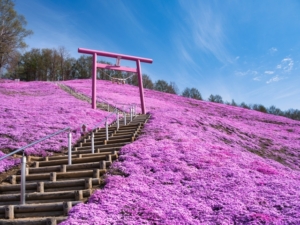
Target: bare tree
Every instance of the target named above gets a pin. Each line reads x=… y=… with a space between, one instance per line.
x=12 y=32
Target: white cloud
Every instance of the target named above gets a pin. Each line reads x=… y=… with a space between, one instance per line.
x=248 y=72
x=272 y=50
x=269 y=72
x=274 y=79
x=256 y=78
x=286 y=65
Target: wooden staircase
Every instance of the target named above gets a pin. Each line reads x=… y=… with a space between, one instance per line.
x=53 y=187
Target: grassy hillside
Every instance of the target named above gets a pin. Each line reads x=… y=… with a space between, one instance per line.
x=196 y=162
x=30 y=111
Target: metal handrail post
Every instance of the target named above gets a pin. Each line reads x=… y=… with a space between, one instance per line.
x=131 y=112
x=23 y=181
x=93 y=143
x=70 y=148
x=106 y=129
x=118 y=121
x=33 y=143
x=124 y=117
x=107 y=107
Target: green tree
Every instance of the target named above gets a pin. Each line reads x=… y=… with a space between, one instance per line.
x=195 y=94
x=233 y=103
x=31 y=62
x=259 y=107
x=12 y=32
x=147 y=82
x=192 y=93
x=292 y=114
x=172 y=88
x=244 y=105
x=186 y=92
x=161 y=85
x=215 y=98
x=275 y=111
x=84 y=67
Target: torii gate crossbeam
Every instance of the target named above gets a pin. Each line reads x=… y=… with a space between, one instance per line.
x=118 y=57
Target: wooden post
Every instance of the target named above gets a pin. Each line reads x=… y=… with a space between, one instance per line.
x=9 y=212
x=67 y=207
x=40 y=187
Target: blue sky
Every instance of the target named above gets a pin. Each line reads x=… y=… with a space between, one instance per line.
x=244 y=50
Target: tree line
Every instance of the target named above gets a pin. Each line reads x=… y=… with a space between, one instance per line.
x=56 y=64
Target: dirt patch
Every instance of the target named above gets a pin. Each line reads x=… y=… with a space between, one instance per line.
x=13 y=171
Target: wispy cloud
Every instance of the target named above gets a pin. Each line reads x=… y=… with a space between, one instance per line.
x=130 y=15
x=206 y=29
x=274 y=79
x=269 y=72
x=273 y=50
x=256 y=78
x=246 y=73
x=287 y=64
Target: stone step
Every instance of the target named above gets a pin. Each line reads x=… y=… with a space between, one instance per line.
x=88 y=151
x=108 y=146
x=115 y=132
x=58 y=157
x=107 y=142
x=96 y=158
x=54 y=176
x=36 y=221
x=65 y=168
x=98 y=141
x=50 y=186
x=53 y=186
x=46 y=197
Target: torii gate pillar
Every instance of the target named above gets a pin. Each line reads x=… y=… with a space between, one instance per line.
x=118 y=57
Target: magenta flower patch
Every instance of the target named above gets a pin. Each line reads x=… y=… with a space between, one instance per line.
x=32 y=110
x=198 y=163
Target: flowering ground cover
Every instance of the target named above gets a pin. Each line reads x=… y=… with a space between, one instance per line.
x=198 y=163
x=32 y=110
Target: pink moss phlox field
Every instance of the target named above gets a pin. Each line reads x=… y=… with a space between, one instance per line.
x=198 y=163
x=33 y=110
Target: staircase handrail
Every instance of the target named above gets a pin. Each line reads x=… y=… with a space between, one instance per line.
x=105 y=119
x=35 y=142
x=23 y=161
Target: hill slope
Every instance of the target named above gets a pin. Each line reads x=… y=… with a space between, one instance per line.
x=198 y=163
x=31 y=110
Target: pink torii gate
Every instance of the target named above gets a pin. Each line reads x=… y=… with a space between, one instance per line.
x=118 y=57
